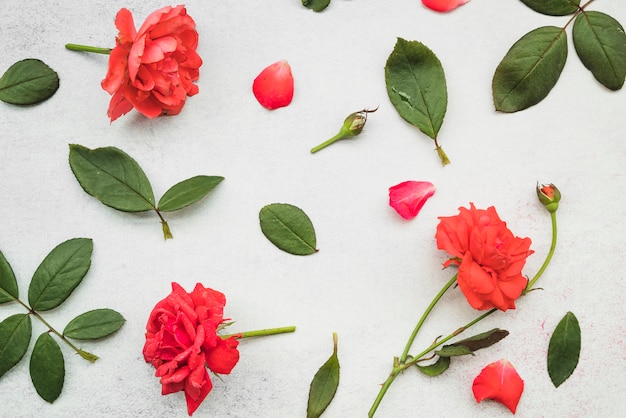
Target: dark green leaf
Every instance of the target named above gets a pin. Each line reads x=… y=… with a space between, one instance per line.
x=59 y=273
x=289 y=228
x=435 y=369
x=47 y=368
x=324 y=385
x=113 y=177
x=416 y=85
x=94 y=324
x=483 y=340
x=600 y=43
x=8 y=284
x=27 y=82
x=453 y=350
x=187 y=192
x=564 y=349
x=316 y=5
x=14 y=339
x=530 y=69
x=553 y=7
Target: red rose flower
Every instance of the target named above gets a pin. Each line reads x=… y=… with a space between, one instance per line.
x=153 y=70
x=273 y=87
x=489 y=256
x=501 y=382
x=182 y=340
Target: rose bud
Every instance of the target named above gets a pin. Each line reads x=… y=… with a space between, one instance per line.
x=549 y=195
x=352 y=126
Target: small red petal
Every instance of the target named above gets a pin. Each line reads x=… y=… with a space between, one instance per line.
x=443 y=5
x=273 y=87
x=408 y=197
x=499 y=381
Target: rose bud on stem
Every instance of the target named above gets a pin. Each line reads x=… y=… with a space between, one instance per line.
x=352 y=126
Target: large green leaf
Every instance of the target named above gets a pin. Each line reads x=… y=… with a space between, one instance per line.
x=564 y=349
x=324 y=385
x=187 y=192
x=600 y=43
x=14 y=339
x=553 y=7
x=47 y=368
x=8 y=283
x=113 y=177
x=530 y=69
x=289 y=228
x=416 y=85
x=316 y=5
x=59 y=273
x=27 y=82
x=94 y=324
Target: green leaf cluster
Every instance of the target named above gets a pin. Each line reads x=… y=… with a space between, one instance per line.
x=61 y=271
x=116 y=179
x=564 y=349
x=28 y=82
x=533 y=65
x=288 y=228
x=324 y=385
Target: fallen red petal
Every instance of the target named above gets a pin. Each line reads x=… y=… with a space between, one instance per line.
x=408 y=197
x=273 y=87
x=443 y=5
x=500 y=382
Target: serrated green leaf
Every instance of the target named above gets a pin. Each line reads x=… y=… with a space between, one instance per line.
x=530 y=69
x=416 y=85
x=47 y=368
x=316 y=5
x=8 y=283
x=441 y=365
x=113 y=177
x=324 y=385
x=564 y=349
x=28 y=82
x=15 y=334
x=59 y=273
x=94 y=324
x=187 y=192
x=484 y=339
x=553 y=7
x=600 y=43
x=289 y=228
x=453 y=350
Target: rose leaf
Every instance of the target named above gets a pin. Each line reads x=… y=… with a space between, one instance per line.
x=289 y=228
x=324 y=385
x=8 y=283
x=316 y=5
x=483 y=340
x=553 y=7
x=564 y=349
x=94 y=324
x=187 y=192
x=28 y=82
x=435 y=369
x=14 y=339
x=47 y=368
x=59 y=273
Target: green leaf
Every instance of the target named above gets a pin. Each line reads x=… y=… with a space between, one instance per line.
x=14 y=339
x=27 y=82
x=187 y=192
x=94 y=324
x=453 y=350
x=113 y=177
x=435 y=369
x=316 y=5
x=483 y=340
x=564 y=349
x=530 y=69
x=289 y=228
x=553 y=7
x=59 y=273
x=8 y=283
x=324 y=385
x=47 y=368
x=416 y=85
x=600 y=43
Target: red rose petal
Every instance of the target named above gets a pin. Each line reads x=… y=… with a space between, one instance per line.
x=273 y=87
x=443 y=5
x=408 y=197
x=499 y=381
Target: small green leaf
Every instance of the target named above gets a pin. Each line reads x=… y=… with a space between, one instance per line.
x=530 y=69
x=59 y=273
x=316 y=5
x=564 y=349
x=47 y=368
x=27 y=82
x=453 y=350
x=14 y=339
x=416 y=85
x=8 y=283
x=324 y=385
x=553 y=7
x=187 y=192
x=600 y=43
x=113 y=177
x=483 y=340
x=94 y=324
x=435 y=369
x=289 y=228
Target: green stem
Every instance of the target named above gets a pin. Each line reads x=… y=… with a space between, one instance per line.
x=326 y=143
x=261 y=333
x=167 y=234
x=86 y=48
x=442 y=155
x=548 y=257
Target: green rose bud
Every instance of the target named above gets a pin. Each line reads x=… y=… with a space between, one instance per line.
x=352 y=126
x=549 y=195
